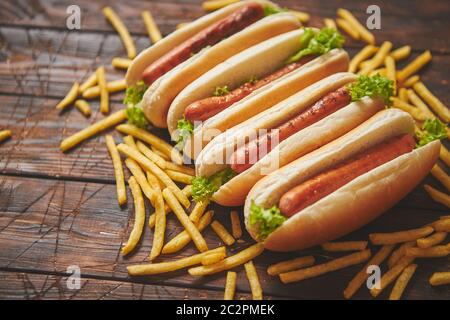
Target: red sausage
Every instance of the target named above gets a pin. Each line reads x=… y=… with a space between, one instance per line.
x=240 y=159
x=224 y=28
x=329 y=181
x=206 y=108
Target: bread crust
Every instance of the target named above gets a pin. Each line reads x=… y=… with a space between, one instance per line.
x=355 y=204
x=160 y=95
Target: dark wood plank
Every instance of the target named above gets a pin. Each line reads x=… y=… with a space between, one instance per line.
x=26 y=286
x=47 y=225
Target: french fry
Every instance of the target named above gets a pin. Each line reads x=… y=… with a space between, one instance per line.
x=222 y=232
x=112 y=87
x=329 y=23
x=118 y=170
x=344 y=246
x=164 y=267
x=88 y=83
x=411 y=81
x=162 y=155
x=432 y=252
x=367 y=52
x=83 y=107
x=195 y=235
x=236 y=229
x=362 y=276
x=160 y=162
x=289 y=265
x=121 y=63
x=129 y=141
x=153 y=140
x=402 y=282
x=400 y=236
x=444 y=154
x=137 y=172
x=440 y=278
x=444 y=217
x=5 y=134
x=415 y=100
x=175 y=167
x=356 y=25
x=198 y=211
x=115 y=21
x=433 y=240
x=392 y=274
x=414 y=66
x=230 y=286
x=317 y=270
x=389 y=62
x=139 y=217
x=440 y=174
x=438 y=196
x=380 y=71
x=378 y=59
x=403 y=94
x=186 y=191
x=93 y=129
x=213 y=258
x=153 y=168
x=435 y=104
x=348 y=28
x=253 y=280
x=399 y=253
x=183 y=238
x=413 y=111
x=104 y=96
x=180 y=177
x=152 y=28
x=229 y=262
x=401 y=53
x=442 y=225
x=160 y=219
x=303 y=17
x=217 y=4
x=69 y=98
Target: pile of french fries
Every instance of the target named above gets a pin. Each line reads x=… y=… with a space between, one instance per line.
x=157 y=171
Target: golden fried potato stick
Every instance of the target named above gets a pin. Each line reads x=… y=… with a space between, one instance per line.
x=160 y=162
x=289 y=265
x=435 y=104
x=362 y=275
x=213 y=258
x=88 y=83
x=444 y=154
x=416 y=113
x=118 y=170
x=115 y=21
x=83 y=107
x=129 y=141
x=356 y=25
x=179 y=176
x=5 y=134
x=222 y=232
x=333 y=265
x=348 y=28
x=377 y=60
x=367 y=52
x=400 y=236
x=415 y=100
x=440 y=278
x=344 y=246
x=104 y=95
x=253 y=280
x=69 y=98
x=163 y=267
x=230 y=286
x=93 y=129
x=438 y=196
x=303 y=17
x=391 y=71
x=188 y=225
x=441 y=175
x=159 y=153
x=399 y=253
x=329 y=23
x=403 y=94
x=151 y=26
x=175 y=167
x=236 y=229
x=198 y=210
x=433 y=240
x=401 y=53
x=137 y=172
x=213 y=5
x=139 y=218
x=414 y=66
x=442 y=225
x=432 y=252
x=112 y=87
x=160 y=226
x=229 y=262
x=411 y=81
x=402 y=282
x=121 y=63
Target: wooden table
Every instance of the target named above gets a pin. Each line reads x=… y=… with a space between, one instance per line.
x=59 y=210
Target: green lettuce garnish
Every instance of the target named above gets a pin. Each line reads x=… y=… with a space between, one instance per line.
x=221 y=91
x=265 y=220
x=318 y=43
x=185 y=129
x=252 y=80
x=203 y=188
x=375 y=87
x=136 y=116
x=134 y=94
x=269 y=10
x=133 y=98
x=433 y=129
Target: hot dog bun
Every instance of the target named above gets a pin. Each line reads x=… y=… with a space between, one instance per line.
x=162 y=92
x=233 y=192
x=146 y=57
x=353 y=205
x=332 y=62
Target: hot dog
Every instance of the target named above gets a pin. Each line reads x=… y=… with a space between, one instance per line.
x=223 y=28
x=337 y=188
x=305 y=121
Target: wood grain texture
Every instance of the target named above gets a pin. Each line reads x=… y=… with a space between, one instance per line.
x=59 y=209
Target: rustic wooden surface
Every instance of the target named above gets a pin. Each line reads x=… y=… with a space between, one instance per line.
x=58 y=210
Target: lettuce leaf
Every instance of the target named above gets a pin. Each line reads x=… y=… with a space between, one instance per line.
x=269 y=10
x=433 y=129
x=265 y=220
x=203 y=188
x=375 y=87
x=136 y=116
x=134 y=94
x=221 y=91
x=185 y=129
